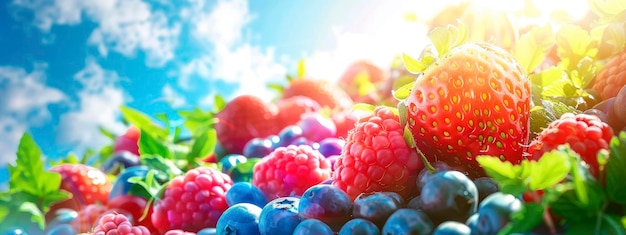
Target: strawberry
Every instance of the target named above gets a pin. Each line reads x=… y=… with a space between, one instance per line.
x=360 y=81
x=192 y=201
x=88 y=185
x=344 y=122
x=585 y=134
x=290 y=110
x=112 y=223
x=376 y=157
x=128 y=141
x=289 y=171
x=612 y=78
x=474 y=100
x=327 y=94
x=243 y=118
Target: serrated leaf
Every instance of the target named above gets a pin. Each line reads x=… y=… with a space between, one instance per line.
x=497 y=169
x=143 y=122
x=412 y=65
x=615 y=173
x=149 y=145
x=533 y=47
x=203 y=145
x=166 y=166
x=551 y=169
x=197 y=121
x=583 y=75
x=573 y=44
x=404 y=91
x=441 y=38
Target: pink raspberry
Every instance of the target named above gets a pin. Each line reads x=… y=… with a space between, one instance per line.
x=289 y=171
x=118 y=224
x=193 y=201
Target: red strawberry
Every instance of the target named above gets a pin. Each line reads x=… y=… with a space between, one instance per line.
x=128 y=141
x=612 y=78
x=289 y=171
x=88 y=217
x=243 y=118
x=344 y=121
x=377 y=158
x=362 y=76
x=192 y=201
x=585 y=134
x=327 y=94
x=290 y=110
x=112 y=223
x=475 y=100
x=88 y=185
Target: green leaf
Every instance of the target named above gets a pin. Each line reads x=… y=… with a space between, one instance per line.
x=301 y=70
x=218 y=103
x=615 y=173
x=165 y=167
x=404 y=91
x=363 y=107
x=37 y=216
x=364 y=84
x=203 y=145
x=573 y=44
x=551 y=169
x=107 y=133
x=608 y=10
x=143 y=122
x=412 y=65
x=149 y=145
x=497 y=169
x=611 y=38
x=524 y=220
x=533 y=47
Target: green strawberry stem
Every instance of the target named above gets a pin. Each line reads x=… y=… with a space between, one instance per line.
x=427 y=164
x=546 y=214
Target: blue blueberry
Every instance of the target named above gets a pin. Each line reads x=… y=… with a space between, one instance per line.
x=14 y=231
x=359 y=226
x=302 y=141
x=280 y=216
x=313 y=226
x=326 y=203
x=449 y=195
x=62 y=216
x=207 y=231
x=425 y=174
x=408 y=221
x=486 y=186
x=331 y=146
x=288 y=134
x=258 y=148
x=375 y=207
x=242 y=218
x=121 y=186
x=61 y=229
x=452 y=228
x=231 y=160
x=219 y=151
x=414 y=203
x=120 y=160
x=245 y=192
x=495 y=212
x=472 y=222
x=275 y=139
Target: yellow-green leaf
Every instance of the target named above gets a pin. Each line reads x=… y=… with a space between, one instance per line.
x=574 y=43
x=412 y=65
x=404 y=91
x=533 y=47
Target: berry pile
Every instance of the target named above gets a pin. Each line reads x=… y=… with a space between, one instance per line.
x=483 y=133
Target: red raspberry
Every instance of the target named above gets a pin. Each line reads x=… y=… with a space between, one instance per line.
x=585 y=134
x=88 y=185
x=178 y=232
x=193 y=201
x=377 y=158
x=289 y=171
x=118 y=224
x=88 y=217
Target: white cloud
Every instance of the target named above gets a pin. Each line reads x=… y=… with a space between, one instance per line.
x=123 y=26
x=99 y=103
x=222 y=26
x=24 y=100
x=174 y=98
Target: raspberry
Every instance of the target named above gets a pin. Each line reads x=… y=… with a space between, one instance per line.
x=612 y=78
x=118 y=224
x=585 y=134
x=289 y=171
x=88 y=217
x=193 y=201
x=178 y=232
x=377 y=158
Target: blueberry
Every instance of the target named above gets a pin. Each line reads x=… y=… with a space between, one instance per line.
x=449 y=195
x=408 y=221
x=219 y=151
x=231 y=160
x=242 y=218
x=332 y=160
x=375 y=207
x=425 y=174
x=359 y=226
x=485 y=186
x=331 y=146
x=62 y=216
x=207 y=231
x=119 y=160
x=275 y=139
x=15 y=231
x=288 y=134
x=121 y=186
x=316 y=127
x=495 y=212
x=245 y=192
x=242 y=172
x=312 y=226
x=326 y=203
x=61 y=229
x=472 y=223
x=452 y=228
x=414 y=203
x=258 y=148
x=280 y=216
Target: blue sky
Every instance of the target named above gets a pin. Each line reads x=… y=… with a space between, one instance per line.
x=67 y=65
